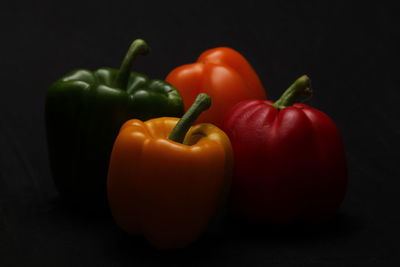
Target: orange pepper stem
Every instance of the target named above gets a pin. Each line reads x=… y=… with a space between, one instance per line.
x=202 y=103
x=138 y=47
x=302 y=86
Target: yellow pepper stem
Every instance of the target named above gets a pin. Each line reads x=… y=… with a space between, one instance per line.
x=202 y=103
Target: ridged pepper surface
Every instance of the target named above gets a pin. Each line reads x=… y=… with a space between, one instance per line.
x=289 y=160
x=166 y=181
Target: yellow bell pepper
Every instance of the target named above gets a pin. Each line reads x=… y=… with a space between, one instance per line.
x=164 y=189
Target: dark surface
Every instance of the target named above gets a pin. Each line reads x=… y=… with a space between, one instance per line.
x=348 y=50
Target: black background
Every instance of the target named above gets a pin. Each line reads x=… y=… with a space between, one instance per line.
x=347 y=48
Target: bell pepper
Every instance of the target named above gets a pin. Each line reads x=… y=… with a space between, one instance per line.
x=222 y=73
x=289 y=160
x=84 y=112
x=166 y=190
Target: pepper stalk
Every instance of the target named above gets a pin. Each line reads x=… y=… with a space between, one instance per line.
x=202 y=103
x=302 y=86
x=138 y=47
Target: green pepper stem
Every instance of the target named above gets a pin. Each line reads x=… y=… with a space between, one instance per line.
x=138 y=47
x=302 y=86
x=202 y=103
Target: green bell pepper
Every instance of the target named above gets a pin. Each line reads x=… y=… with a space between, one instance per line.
x=84 y=111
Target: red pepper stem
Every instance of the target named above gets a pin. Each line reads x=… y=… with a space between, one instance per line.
x=202 y=103
x=138 y=47
x=302 y=86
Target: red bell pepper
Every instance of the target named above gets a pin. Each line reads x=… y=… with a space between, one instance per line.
x=222 y=73
x=289 y=160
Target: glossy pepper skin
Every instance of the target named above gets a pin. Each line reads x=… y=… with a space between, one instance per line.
x=84 y=112
x=222 y=73
x=289 y=160
x=166 y=190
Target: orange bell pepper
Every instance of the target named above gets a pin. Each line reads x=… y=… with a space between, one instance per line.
x=164 y=189
x=222 y=73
